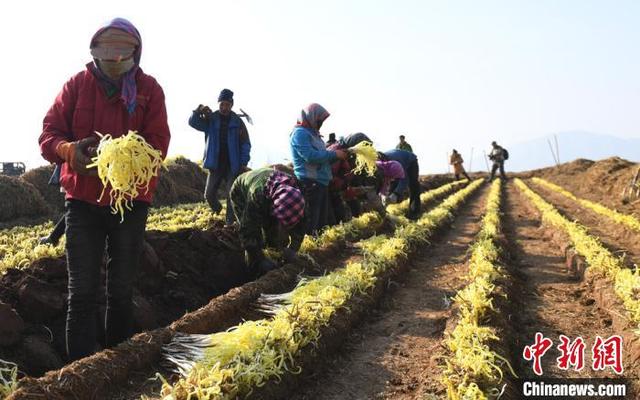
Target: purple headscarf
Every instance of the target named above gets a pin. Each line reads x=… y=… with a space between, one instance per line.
x=128 y=89
x=391 y=170
x=312 y=116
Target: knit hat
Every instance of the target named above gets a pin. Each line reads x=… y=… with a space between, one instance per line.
x=226 y=95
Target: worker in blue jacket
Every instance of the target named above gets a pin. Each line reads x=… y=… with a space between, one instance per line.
x=227 y=148
x=409 y=162
x=312 y=164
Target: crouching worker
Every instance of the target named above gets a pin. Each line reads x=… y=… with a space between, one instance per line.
x=268 y=204
x=389 y=173
x=409 y=163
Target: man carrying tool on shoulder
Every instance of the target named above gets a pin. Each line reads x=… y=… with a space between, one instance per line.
x=227 y=148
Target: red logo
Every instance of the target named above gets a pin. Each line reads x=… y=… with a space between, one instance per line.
x=606 y=353
x=572 y=354
x=536 y=351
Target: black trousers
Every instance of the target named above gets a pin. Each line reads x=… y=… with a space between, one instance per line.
x=413 y=173
x=337 y=211
x=215 y=178
x=89 y=229
x=316 y=197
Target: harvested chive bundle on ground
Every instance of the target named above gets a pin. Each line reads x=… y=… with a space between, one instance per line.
x=127 y=164
x=8 y=378
x=366 y=156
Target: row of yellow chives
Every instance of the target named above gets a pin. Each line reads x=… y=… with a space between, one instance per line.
x=248 y=355
x=473 y=369
x=628 y=220
x=626 y=283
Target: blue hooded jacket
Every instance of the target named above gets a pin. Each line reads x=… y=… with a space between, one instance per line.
x=238 y=141
x=310 y=159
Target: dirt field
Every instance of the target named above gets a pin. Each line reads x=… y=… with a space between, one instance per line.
x=390 y=345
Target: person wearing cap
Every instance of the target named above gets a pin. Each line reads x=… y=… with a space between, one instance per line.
x=227 y=148
x=403 y=145
x=268 y=203
x=458 y=169
x=112 y=96
x=312 y=164
x=498 y=155
x=409 y=162
x=353 y=139
x=332 y=139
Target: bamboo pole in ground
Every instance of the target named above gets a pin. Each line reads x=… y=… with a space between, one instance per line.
x=553 y=154
x=486 y=161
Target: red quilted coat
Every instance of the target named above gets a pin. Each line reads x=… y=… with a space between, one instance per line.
x=82 y=107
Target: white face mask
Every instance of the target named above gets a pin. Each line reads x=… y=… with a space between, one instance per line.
x=115 y=69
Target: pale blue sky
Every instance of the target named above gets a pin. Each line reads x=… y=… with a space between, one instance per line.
x=445 y=73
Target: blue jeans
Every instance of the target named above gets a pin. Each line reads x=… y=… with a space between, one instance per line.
x=89 y=229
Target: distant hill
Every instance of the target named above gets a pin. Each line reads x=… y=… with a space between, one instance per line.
x=535 y=153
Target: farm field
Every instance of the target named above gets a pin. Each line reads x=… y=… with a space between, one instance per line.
x=387 y=308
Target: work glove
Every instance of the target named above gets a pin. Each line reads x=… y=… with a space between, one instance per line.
x=390 y=199
x=203 y=111
x=265 y=265
x=289 y=255
x=77 y=155
x=258 y=263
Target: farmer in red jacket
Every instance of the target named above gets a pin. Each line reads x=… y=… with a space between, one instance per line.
x=111 y=96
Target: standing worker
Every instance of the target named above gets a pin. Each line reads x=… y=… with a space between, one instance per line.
x=403 y=145
x=498 y=155
x=112 y=96
x=312 y=164
x=227 y=148
x=332 y=139
x=409 y=163
x=456 y=160
x=268 y=204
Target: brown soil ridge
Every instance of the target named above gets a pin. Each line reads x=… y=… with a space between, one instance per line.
x=395 y=354
x=96 y=376
x=602 y=181
x=200 y=321
x=179 y=272
x=616 y=237
x=549 y=298
x=29 y=198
